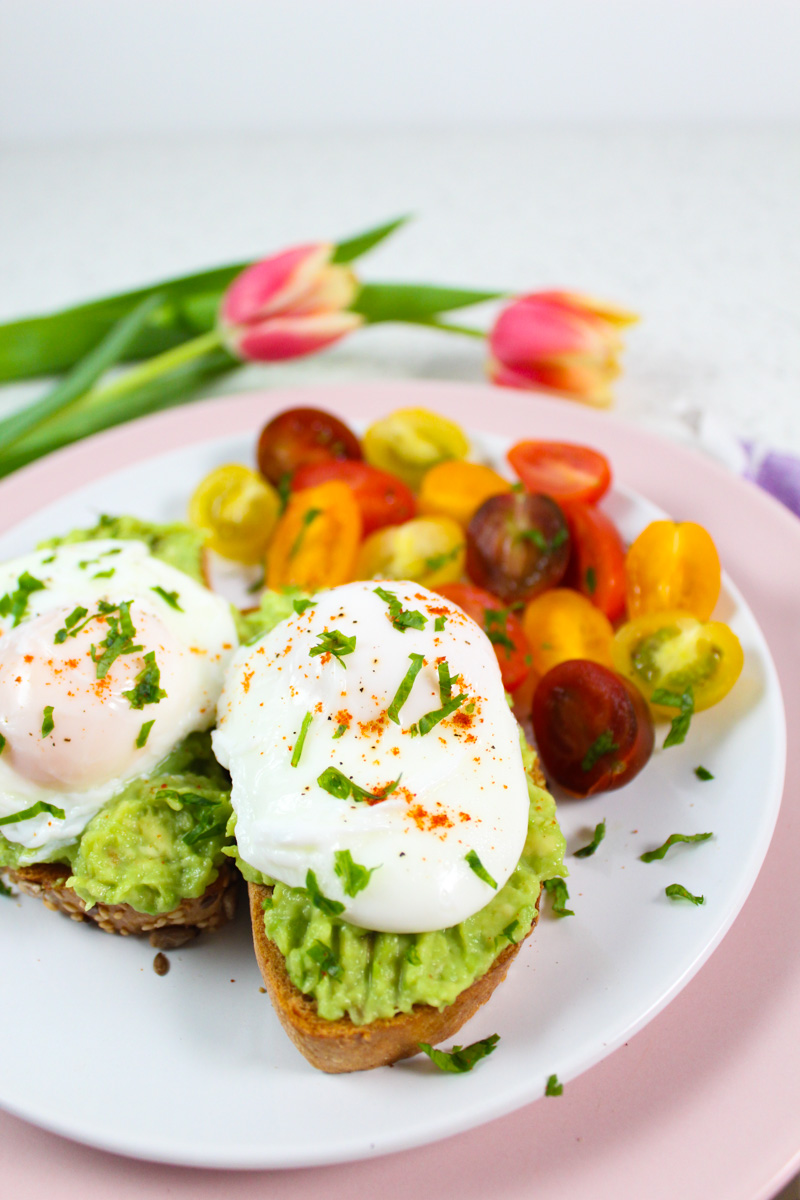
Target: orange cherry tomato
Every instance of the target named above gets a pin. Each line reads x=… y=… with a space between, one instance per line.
x=597 y=562
x=428 y=550
x=562 y=470
x=562 y=624
x=458 y=489
x=673 y=565
x=501 y=626
x=382 y=498
x=316 y=540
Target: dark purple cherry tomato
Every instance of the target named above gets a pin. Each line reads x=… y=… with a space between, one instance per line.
x=300 y=436
x=517 y=545
x=593 y=729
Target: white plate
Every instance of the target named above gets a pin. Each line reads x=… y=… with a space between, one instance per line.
x=193 y=1068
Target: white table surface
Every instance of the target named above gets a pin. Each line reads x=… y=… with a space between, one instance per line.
x=695 y=229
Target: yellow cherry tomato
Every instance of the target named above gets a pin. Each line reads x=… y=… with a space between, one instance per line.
x=674 y=651
x=316 y=540
x=410 y=441
x=429 y=550
x=561 y=624
x=673 y=566
x=458 y=489
x=238 y=510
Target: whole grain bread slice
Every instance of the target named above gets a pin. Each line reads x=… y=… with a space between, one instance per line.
x=339 y=1046
x=216 y=906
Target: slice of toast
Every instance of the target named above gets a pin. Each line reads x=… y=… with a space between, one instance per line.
x=339 y=1046
x=217 y=905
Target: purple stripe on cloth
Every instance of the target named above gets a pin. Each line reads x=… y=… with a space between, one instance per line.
x=778 y=474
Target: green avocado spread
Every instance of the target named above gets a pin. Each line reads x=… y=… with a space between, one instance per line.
x=366 y=975
x=160 y=839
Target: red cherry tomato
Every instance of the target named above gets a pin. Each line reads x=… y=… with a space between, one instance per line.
x=303 y=435
x=517 y=545
x=593 y=728
x=382 y=498
x=562 y=470
x=597 y=564
x=501 y=626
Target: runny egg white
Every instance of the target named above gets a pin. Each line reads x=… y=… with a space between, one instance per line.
x=411 y=825
x=108 y=658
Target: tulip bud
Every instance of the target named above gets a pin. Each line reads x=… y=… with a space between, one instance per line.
x=288 y=305
x=558 y=342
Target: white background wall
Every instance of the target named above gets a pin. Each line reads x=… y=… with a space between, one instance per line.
x=85 y=68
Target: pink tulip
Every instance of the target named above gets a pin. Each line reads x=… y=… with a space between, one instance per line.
x=288 y=305
x=558 y=342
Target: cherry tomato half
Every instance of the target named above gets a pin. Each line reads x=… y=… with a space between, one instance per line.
x=597 y=564
x=303 y=435
x=517 y=545
x=429 y=550
x=501 y=626
x=561 y=624
x=238 y=511
x=593 y=729
x=382 y=498
x=457 y=489
x=673 y=565
x=562 y=470
x=675 y=651
x=412 y=440
x=316 y=540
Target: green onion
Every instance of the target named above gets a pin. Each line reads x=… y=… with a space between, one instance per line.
x=301 y=738
x=171 y=598
x=703 y=773
x=15 y=604
x=144 y=733
x=461 y=1058
x=677 y=891
x=479 y=869
x=553 y=1088
x=445 y=681
x=438 y=624
x=331 y=908
x=680 y=724
x=404 y=691
x=39 y=807
x=48 y=724
x=337 y=784
x=300 y=606
x=309 y=515
x=604 y=744
x=558 y=889
x=340 y=729
x=426 y=723
x=147 y=690
x=354 y=877
x=599 y=834
x=335 y=643
x=401 y=618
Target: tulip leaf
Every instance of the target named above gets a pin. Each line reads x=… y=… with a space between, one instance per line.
x=414 y=303
x=354 y=247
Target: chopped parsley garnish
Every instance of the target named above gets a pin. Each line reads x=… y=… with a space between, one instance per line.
x=437 y=561
x=510 y=931
x=72 y=620
x=558 y=890
x=540 y=541
x=171 y=598
x=2 y=743
x=51 y=558
x=15 y=604
x=118 y=640
x=591 y=580
x=553 y=1088
x=5 y=890
x=284 y=490
x=309 y=515
x=354 y=877
x=210 y=815
x=438 y=624
x=445 y=680
x=340 y=729
x=703 y=773
x=460 y=1058
x=336 y=783
x=400 y=617
x=335 y=643
x=300 y=606
x=518 y=487
x=672 y=840
x=676 y=891
x=599 y=834
x=301 y=738
x=604 y=744
x=48 y=724
x=147 y=689
x=426 y=723
x=104 y=574
x=325 y=959
x=404 y=691
x=26 y=813
x=144 y=733
x=497 y=629
x=480 y=870
x=680 y=724
x=257 y=584
x=331 y=908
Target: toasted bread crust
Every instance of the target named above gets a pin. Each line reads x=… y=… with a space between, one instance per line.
x=339 y=1046
x=208 y=912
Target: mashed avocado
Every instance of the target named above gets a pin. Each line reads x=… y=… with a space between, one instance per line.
x=179 y=545
x=381 y=974
x=273 y=608
x=159 y=840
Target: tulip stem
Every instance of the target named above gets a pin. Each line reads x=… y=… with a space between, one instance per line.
x=446 y=327
x=153 y=367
